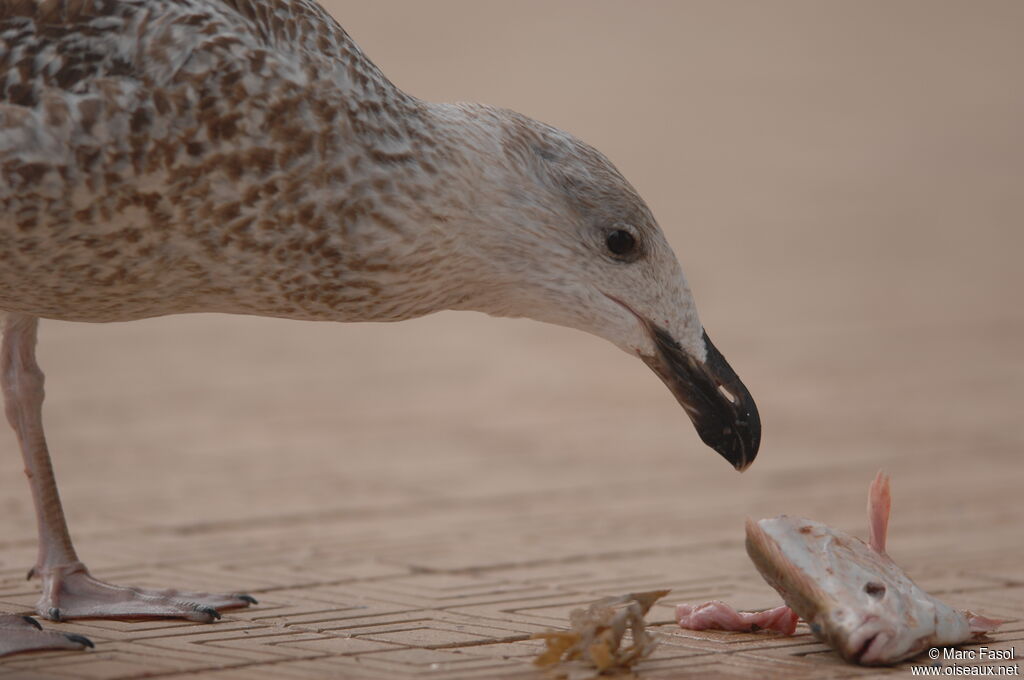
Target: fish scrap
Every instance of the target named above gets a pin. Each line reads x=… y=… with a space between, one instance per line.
x=851 y=594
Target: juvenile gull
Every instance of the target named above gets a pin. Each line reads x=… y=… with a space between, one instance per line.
x=244 y=156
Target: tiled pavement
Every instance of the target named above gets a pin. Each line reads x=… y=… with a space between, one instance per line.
x=387 y=550
x=416 y=500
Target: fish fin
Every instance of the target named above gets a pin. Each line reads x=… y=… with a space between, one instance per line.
x=982 y=624
x=879 y=505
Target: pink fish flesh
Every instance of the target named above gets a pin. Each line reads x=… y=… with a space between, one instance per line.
x=716 y=615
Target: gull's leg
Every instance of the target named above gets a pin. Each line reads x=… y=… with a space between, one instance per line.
x=68 y=589
x=23 y=634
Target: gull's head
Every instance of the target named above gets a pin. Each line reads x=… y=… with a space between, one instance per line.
x=562 y=237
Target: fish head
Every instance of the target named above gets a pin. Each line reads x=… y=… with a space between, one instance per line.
x=854 y=598
x=864 y=628
x=578 y=247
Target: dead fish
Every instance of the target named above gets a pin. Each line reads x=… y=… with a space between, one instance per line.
x=851 y=593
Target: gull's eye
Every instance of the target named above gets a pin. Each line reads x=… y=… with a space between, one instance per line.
x=620 y=242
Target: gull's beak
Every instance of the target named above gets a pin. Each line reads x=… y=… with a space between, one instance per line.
x=717 y=402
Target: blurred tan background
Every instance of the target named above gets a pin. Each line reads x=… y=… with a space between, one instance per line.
x=844 y=185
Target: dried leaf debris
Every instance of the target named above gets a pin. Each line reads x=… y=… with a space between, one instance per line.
x=595 y=637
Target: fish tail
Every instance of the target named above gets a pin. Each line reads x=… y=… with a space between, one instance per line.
x=982 y=624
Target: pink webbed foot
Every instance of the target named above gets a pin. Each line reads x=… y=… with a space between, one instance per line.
x=24 y=634
x=717 y=615
x=72 y=593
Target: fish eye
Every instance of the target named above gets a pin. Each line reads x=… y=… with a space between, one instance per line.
x=620 y=243
x=875 y=589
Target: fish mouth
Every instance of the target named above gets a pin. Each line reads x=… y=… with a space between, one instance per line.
x=860 y=653
x=713 y=396
x=865 y=649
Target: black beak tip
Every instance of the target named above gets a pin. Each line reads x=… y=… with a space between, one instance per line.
x=737 y=443
x=736 y=440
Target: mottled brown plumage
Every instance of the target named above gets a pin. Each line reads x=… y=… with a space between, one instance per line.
x=244 y=156
x=170 y=157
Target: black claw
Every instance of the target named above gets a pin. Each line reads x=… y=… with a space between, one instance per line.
x=29 y=619
x=53 y=614
x=248 y=598
x=30 y=574
x=80 y=639
x=209 y=611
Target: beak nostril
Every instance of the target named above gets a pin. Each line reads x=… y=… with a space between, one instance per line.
x=727 y=394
